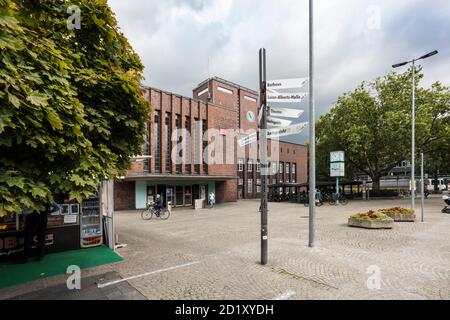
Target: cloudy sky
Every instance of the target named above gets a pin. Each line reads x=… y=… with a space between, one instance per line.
x=181 y=43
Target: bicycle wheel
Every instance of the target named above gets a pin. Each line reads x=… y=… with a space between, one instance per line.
x=343 y=201
x=164 y=214
x=147 y=214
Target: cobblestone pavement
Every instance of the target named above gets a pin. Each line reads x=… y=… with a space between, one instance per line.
x=223 y=248
x=89 y=290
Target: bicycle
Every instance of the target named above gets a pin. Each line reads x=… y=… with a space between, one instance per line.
x=148 y=213
x=342 y=200
x=318 y=202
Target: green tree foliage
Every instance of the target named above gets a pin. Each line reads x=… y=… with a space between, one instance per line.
x=372 y=124
x=71 y=110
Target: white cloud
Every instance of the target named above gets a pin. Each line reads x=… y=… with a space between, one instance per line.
x=183 y=42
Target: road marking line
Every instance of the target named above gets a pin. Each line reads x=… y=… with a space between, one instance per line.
x=285 y=296
x=102 y=285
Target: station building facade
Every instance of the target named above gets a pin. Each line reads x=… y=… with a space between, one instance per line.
x=179 y=170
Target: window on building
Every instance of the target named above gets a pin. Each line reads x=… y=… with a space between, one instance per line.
x=281 y=167
x=146 y=148
x=241 y=181
x=187 y=126
x=168 y=127
x=197 y=139
x=274 y=180
x=258 y=182
x=294 y=168
x=250 y=165
x=258 y=166
x=240 y=165
x=287 y=167
x=274 y=167
x=258 y=189
x=205 y=144
x=157 y=146
x=249 y=185
x=179 y=139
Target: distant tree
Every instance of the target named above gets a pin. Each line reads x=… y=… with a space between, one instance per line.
x=372 y=124
x=71 y=110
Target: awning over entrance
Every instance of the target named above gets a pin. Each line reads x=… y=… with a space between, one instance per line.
x=333 y=183
x=179 y=177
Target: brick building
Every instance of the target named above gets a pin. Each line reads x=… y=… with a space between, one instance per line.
x=178 y=168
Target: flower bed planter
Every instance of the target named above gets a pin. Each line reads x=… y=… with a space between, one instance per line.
x=402 y=217
x=371 y=224
x=400 y=214
x=371 y=220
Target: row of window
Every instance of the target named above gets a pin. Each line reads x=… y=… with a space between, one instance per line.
x=290 y=167
x=156 y=132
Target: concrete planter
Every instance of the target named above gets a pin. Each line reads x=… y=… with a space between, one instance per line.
x=370 y=224
x=402 y=217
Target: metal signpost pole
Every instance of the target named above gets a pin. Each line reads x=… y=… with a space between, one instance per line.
x=312 y=133
x=413 y=185
x=337 y=190
x=263 y=150
x=422 y=187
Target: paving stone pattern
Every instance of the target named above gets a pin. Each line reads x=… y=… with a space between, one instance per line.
x=413 y=257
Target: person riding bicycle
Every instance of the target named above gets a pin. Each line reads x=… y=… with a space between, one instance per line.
x=158 y=203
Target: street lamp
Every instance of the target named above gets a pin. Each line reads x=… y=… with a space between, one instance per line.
x=432 y=53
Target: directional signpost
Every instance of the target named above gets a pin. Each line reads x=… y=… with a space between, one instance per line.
x=286 y=97
x=278 y=122
x=248 y=139
x=286 y=83
x=270 y=93
x=281 y=132
x=284 y=112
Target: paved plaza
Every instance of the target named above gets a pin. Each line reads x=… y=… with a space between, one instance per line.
x=214 y=254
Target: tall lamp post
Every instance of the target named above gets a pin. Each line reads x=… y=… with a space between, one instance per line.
x=432 y=53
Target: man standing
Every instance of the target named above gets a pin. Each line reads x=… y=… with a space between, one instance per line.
x=36 y=225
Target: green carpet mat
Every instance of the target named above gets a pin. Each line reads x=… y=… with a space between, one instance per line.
x=55 y=263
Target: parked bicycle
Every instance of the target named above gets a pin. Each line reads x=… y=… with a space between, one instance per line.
x=318 y=201
x=163 y=213
x=342 y=199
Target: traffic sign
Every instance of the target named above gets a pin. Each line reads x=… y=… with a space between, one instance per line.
x=286 y=131
x=337 y=169
x=286 y=83
x=278 y=122
x=284 y=112
x=286 y=97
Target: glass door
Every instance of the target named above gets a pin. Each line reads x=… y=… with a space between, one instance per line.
x=169 y=195
x=179 y=195
x=188 y=195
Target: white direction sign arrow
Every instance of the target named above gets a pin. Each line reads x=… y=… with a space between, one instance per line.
x=281 y=132
x=278 y=122
x=283 y=112
x=286 y=83
x=248 y=139
x=286 y=97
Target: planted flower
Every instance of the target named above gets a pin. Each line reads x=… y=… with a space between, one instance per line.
x=370 y=220
x=399 y=214
x=396 y=210
x=370 y=215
